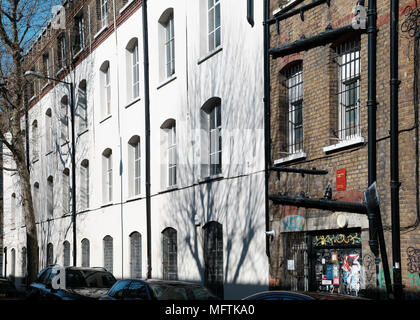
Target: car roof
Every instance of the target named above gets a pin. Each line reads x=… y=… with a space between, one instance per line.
x=306 y=294
x=160 y=281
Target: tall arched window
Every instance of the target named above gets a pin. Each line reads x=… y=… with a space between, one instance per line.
x=34 y=142
x=135 y=255
x=108 y=253
x=81 y=109
x=132 y=69
x=105 y=81
x=13 y=210
x=24 y=263
x=211 y=137
x=84 y=184
x=134 y=166
x=50 y=197
x=50 y=254
x=213 y=258
x=85 y=253
x=169 y=254
x=13 y=261
x=169 y=157
x=167 y=44
x=48 y=131
x=64 y=119
x=66 y=253
x=35 y=201
x=66 y=191
x=107 y=175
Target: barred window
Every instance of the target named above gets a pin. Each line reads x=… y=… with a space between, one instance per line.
x=50 y=254
x=213 y=258
x=348 y=60
x=85 y=253
x=108 y=253
x=294 y=117
x=66 y=253
x=169 y=254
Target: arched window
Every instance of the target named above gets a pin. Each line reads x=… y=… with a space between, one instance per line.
x=64 y=119
x=48 y=131
x=50 y=197
x=13 y=260
x=105 y=81
x=66 y=191
x=166 y=44
x=35 y=201
x=107 y=175
x=81 y=109
x=66 y=253
x=169 y=154
x=132 y=64
x=169 y=254
x=85 y=253
x=34 y=142
x=213 y=258
x=13 y=210
x=134 y=166
x=108 y=253
x=211 y=137
x=84 y=184
x=50 y=254
x=211 y=25
x=135 y=255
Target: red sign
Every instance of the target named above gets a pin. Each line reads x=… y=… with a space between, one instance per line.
x=341 y=180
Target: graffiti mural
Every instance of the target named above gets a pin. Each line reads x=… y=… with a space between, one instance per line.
x=413 y=260
x=351 y=272
x=292 y=223
x=337 y=239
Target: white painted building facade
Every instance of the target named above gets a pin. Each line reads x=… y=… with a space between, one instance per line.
x=206 y=103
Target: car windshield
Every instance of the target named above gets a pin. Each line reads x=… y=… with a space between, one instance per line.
x=164 y=291
x=89 y=279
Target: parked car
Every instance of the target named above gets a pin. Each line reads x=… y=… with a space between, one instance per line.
x=81 y=284
x=8 y=290
x=291 y=295
x=134 y=289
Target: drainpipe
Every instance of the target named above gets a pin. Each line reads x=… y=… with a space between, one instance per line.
x=147 y=136
x=395 y=183
x=267 y=120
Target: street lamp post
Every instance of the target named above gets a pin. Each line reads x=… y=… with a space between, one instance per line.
x=73 y=153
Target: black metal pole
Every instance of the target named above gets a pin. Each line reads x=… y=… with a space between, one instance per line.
x=147 y=129
x=395 y=183
x=73 y=173
x=267 y=125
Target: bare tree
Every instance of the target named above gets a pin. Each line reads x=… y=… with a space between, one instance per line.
x=20 y=23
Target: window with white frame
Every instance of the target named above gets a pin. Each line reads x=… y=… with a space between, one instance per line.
x=84 y=184
x=106 y=88
x=81 y=109
x=348 y=59
x=79 y=32
x=35 y=201
x=107 y=175
x=211 y=138
x=168 y=151
x=294 y=116
x=13 y=210
x=61 y=51
x=166 y=38
x=48 y=131
x=35 y=138
x=214 y=25
x=133 y=66
x=170 y=46
x=104 y=13
x=66 y=191
x=134 y=165
x=64 y=120
x=172 y=155
x=46 y=64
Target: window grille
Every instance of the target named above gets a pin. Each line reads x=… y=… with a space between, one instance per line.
x=135 y=255
x=108 y=253
x=213 y=258
x=66 y=255
x=348 y=60
x=170 y=252
x=85 y=253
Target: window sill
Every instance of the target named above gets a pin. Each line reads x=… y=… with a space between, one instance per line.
x=78 y=53
x=108 y=204
x=132 y=102
x=106 y=118
x=134 y=198
x=45 y=86
x=32 y=98
x=100 y=32
x=344 y=144
x=35 y=160
x=64 y=143
x=48 y=152
x=126 y=6
x=210 y=54
x=211 y=178
x=292 y=157
x=82 y=133
x=59 y=71
x=82 y=210
x=169 y=189
x=165 y=82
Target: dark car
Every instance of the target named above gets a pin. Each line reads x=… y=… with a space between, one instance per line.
x=81 y=284
x=290 y=295
x=8 y=290
x=134 y=289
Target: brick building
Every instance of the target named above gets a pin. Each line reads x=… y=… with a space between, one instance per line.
x=319 y=119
